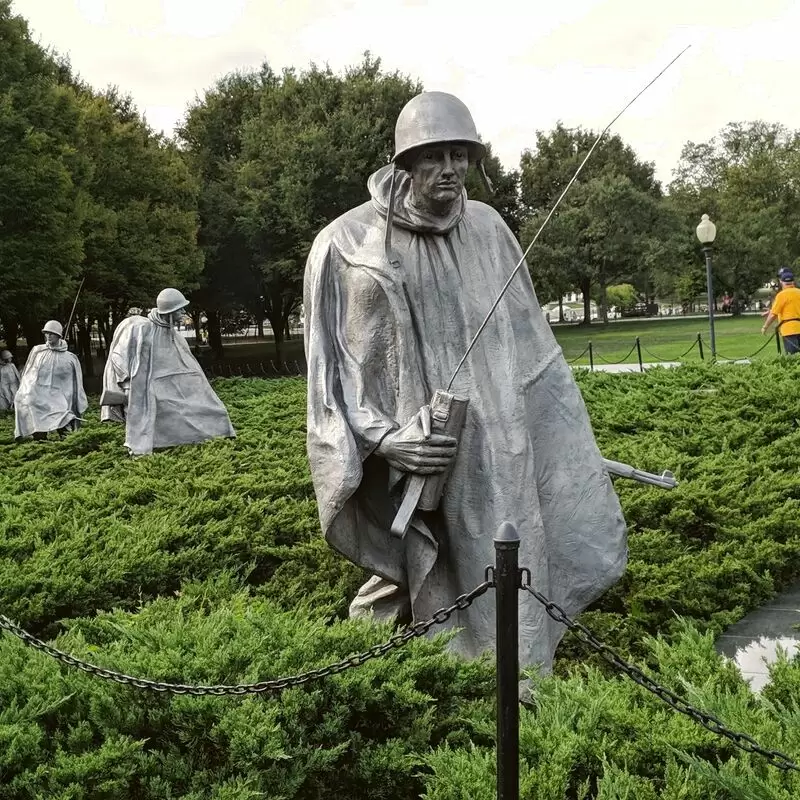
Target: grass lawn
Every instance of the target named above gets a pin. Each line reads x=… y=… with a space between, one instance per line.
x=665 y=339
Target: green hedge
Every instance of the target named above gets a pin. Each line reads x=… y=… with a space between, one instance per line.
x=206 y=564
x=84 y=527
x=597 y=736
x=66 y=735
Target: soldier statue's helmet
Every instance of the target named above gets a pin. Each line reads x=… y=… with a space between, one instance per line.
x=434 y=118
x=5 y=355
x=53 y=326
x=170 y=300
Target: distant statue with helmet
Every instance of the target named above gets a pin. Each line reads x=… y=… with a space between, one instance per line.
x=9 y=380
x=394 y=292
x=153 y=383
x=50 y=397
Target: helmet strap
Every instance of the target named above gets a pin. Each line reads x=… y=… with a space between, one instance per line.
x=487 y=184
x=387 y=240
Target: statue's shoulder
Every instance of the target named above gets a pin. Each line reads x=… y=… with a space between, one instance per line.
x=355 y=229
x=491 y=226
x=137 y=320
x=131 y=324
x=484 y=215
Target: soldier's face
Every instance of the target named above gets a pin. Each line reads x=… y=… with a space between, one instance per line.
x=438 y=172
x=52 y=339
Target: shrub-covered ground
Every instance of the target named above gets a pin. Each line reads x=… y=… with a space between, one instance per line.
x=205 y=564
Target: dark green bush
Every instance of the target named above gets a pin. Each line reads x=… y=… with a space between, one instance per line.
x=205 y=564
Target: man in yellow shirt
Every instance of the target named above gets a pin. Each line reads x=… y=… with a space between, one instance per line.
x=786 y=309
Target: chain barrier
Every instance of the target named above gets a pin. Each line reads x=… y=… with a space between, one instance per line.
x=708 y=721
x=296 y=369
x=703 y=718
x=695 y=343
x=579 y=357
x=399 y=639
x=670 y=360
x=624 y=358
x=291 y=369
x=753 y=355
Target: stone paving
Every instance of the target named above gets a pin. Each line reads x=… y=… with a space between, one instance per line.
x=754 y=640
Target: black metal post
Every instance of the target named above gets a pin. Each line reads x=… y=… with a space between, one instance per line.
x=778 y=341
x=710 y=289
x=700 y=345
x=506 y=577
x=639 y=354
x=591 y=358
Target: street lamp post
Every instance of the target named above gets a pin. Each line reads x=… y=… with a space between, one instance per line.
x=706 y=233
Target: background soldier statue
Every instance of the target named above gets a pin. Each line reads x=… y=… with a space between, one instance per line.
x=9 y=380
x=394 y=292
x=50 y=395
x=154 y=384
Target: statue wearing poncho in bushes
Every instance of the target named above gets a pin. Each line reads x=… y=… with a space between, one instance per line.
x=153 y=383
x=9 y=380
x=50 y=395
x=394 y=291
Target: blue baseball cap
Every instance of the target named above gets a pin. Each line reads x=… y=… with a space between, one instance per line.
x=785 y=275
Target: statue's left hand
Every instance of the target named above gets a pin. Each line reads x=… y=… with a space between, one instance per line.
x=413 y=448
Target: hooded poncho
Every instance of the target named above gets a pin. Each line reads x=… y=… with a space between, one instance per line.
x=50 y=394
x=154 y=383
x=380 y=339
x=9 y=383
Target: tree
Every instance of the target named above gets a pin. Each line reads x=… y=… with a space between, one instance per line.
x=211 y=139
x=602 y=226
x=140 y=221
x=622 y=296
x=505 y=190
x=305 y=160
x=41 y=174
x=747 y=178
x=547 y=169
x=280 y=156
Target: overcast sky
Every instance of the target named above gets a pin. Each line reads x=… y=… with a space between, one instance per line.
x=520 y=65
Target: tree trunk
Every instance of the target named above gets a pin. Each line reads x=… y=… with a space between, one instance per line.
x=603 y=296
x=585 y=286
x=11 y=328
x=84 y=348
x=196 y=314
x=561 y=308
x=104 y=329
x=260 y=326
x=215 y=334
x=32 y=331
x=278 y=326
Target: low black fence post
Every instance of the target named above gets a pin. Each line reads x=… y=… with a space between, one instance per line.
x=639 y=354
x=506 y=578
x=591 y=358
x=778 y=341
x=700 y=345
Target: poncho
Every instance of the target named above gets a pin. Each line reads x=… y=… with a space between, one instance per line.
x=50 y=394
x=380 y=339
x=9 y=383
x=154 y=383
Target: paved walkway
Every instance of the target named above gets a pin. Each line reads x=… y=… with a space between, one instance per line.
x=626 y=367
x=635 y=367
x=754 y=640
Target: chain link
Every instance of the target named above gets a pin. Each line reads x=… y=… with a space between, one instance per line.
x=703 y=718
x=399 y=639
